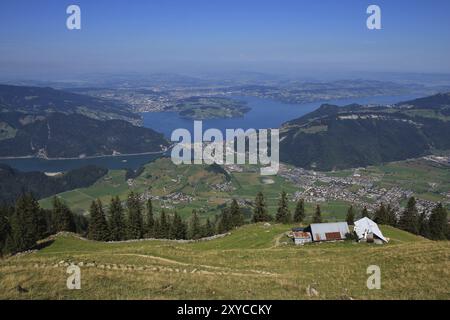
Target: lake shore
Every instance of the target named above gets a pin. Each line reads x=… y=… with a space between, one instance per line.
x=87 y=157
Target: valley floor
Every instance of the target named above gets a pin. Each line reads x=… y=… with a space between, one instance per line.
x=254 y=262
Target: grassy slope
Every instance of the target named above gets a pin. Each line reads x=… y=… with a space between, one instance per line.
x=252 y=263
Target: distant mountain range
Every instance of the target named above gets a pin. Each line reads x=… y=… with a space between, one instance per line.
x=37 y=100
x=58 y=135
x=335 y=137
x=48 y=123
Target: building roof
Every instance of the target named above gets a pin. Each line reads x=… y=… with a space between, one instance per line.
x=302 y=235
x=365 y=226
x=320 y=231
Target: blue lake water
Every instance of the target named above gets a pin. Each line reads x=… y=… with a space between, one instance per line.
x=120 y=162
x=264 y=114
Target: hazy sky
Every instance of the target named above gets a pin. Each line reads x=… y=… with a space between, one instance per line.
x=276 y=36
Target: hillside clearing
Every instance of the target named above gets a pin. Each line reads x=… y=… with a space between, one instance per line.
x=254 y=262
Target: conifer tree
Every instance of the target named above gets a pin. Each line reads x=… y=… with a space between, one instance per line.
x=237 y=217
x=135 y=220
x=350 y=216
x=164 y=226
x=63 y=218
x=283 y=214
x=117 y=220
x=317 y=215
x=150 y=223
x=98 y=226
x=409 y=221
x=156 y=232
x=365 y=213
x=299 y=214
x=24 y=224
x=392 y=217
x=178 y=229
x=260 y=211
x=208 y=229
x=224 y=222
x=424 y=226
x=195 y=231
x=43 y=219
x=381 y=215
x=438 y=224
x=5 y=230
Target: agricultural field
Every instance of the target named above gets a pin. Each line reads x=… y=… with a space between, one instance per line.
x=208 y=189
x=253 y=262
x=429 y=181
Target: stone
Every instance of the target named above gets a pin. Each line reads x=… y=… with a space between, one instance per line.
x=311 y=291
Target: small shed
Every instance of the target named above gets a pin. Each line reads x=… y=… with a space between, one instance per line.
x=301 y=237
x=328 y=231
x=368 y=230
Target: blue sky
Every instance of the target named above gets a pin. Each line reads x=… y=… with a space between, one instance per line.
x=276 y=36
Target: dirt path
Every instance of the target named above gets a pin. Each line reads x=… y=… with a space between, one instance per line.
x=225 y=269
x=144 y=268
x=277 y=241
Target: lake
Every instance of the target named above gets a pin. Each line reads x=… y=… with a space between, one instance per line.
x=265 y=114
x=113 y=163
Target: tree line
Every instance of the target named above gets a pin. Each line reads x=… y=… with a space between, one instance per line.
x=138 y=220
x=23 y=224
x=434 y=226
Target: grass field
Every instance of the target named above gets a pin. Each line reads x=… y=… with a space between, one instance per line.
x=428 y=180
x=254 y=262
x=162 y=178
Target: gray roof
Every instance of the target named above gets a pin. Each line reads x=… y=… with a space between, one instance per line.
x=324 y=228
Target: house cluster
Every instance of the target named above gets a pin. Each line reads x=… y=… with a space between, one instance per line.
x=224 y=187
x=365 y=230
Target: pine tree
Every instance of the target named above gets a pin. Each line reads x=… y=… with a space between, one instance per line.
x=178 y=228
x=5 y=230
x=350 y=216
x=381 y=215
x=98 y=226
x=150 y=223
x=135 y=221
x=24 y=224
x=438 y=223
x=44 y=228
x=164 y=226
x=208 y=229
x=424 y=226
x=117 y=220
x=317 y=215
x=260 y=211
x=63 y=218
x=156 y=233
x=283 y=213
x=224 y=222
x=365 y=213
x=392 y=217
x=409 y=221
x=237 y=217
x=299 y=214
x=195 y=231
